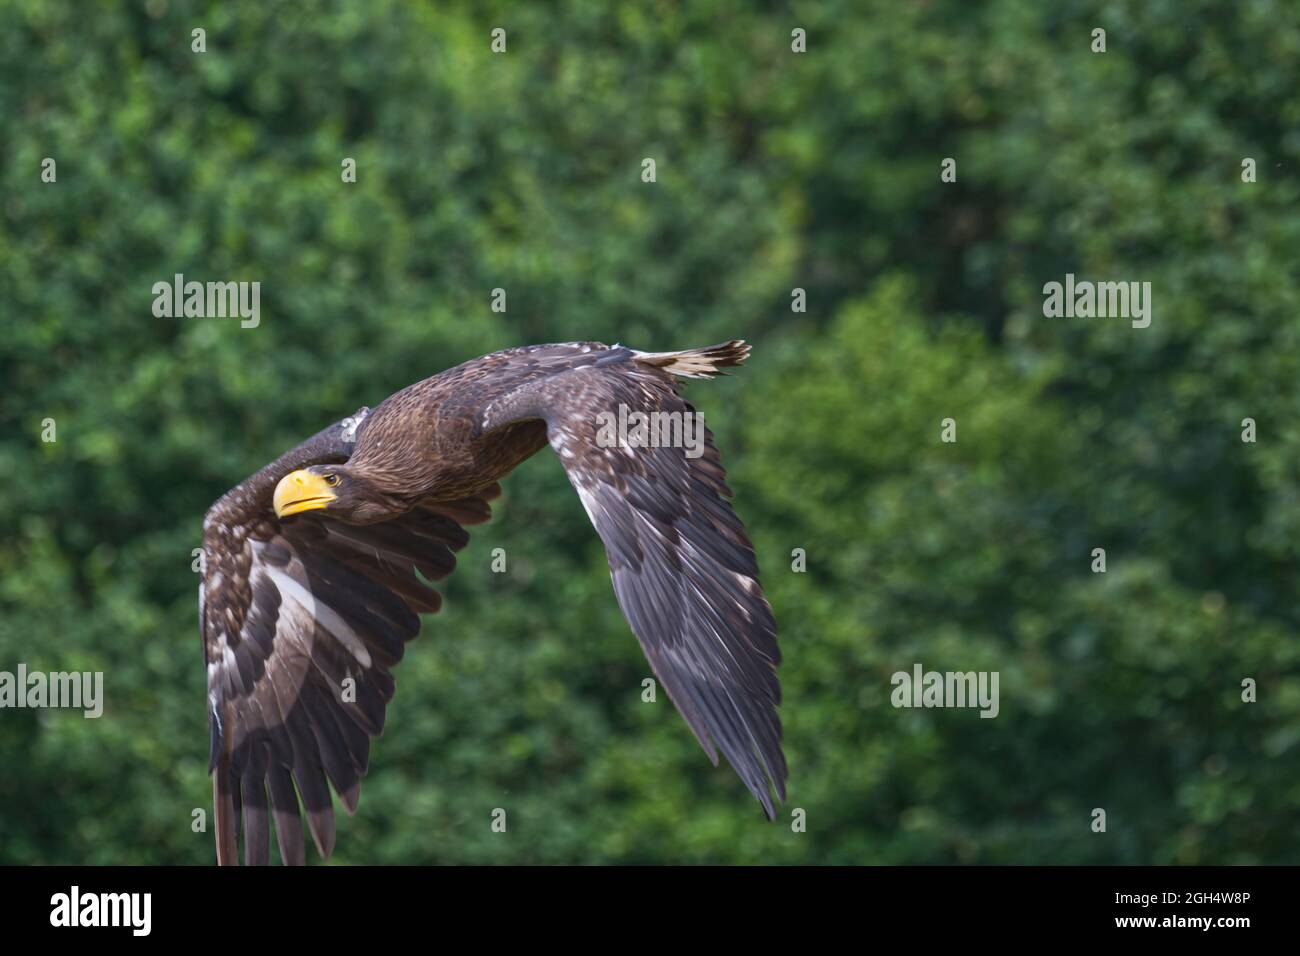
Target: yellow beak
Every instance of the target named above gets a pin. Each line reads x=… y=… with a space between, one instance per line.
x=301 y=491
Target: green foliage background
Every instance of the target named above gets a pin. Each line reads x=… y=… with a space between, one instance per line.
x=775 y=170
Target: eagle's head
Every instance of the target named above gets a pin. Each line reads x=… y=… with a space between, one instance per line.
x=341 y=491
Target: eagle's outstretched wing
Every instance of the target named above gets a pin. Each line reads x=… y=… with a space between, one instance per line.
x=302 y=621
x=682 y=566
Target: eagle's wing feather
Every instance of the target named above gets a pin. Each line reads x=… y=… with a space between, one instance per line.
x=302 y=621
x=682 y=566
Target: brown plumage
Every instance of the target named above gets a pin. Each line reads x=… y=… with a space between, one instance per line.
x=309 y=589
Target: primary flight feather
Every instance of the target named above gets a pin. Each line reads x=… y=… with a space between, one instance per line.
x=309 y=589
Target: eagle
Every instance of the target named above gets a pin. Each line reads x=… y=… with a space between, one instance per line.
x=316 y=569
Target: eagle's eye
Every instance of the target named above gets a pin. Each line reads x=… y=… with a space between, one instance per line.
x=331 y=480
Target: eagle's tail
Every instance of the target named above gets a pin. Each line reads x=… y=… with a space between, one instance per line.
x=699 y=363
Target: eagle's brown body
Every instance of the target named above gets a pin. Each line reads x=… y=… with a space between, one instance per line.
x=429 y=436
x=309 y=591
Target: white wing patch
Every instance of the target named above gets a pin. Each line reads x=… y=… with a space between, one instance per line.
x=324 y=615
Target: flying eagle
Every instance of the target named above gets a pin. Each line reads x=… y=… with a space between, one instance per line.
x=310 y=589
